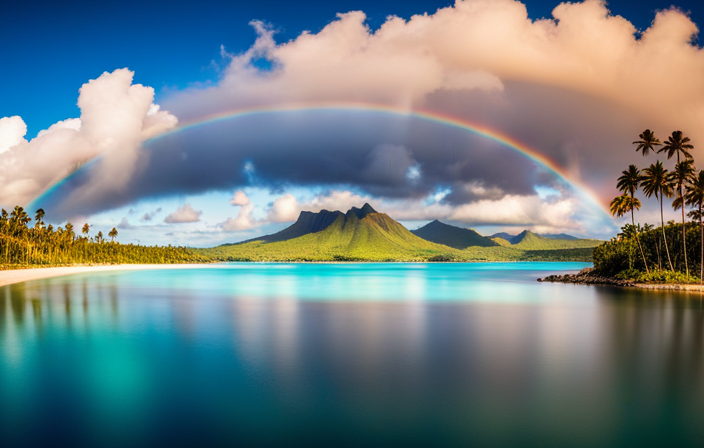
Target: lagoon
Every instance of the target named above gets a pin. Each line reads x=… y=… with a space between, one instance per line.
x=348 y=354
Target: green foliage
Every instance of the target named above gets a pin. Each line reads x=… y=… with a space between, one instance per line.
x=22 y=245
x=620 y=254
x=656 y=277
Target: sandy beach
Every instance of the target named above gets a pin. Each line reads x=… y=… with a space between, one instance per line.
x=9 y=277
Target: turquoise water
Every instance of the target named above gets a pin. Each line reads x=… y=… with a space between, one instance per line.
x=348 y=354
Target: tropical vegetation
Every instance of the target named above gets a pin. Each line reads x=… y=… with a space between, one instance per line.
x=22 y=244
x=671 y=251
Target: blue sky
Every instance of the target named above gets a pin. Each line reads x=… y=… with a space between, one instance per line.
x=50 y=50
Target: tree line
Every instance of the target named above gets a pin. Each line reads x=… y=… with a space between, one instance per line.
x=663 y=251
x=22 y=244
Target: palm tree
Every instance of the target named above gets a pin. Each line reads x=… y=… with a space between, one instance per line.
x=85 y=229
x=647 y=142
x=38 y=218
x=112 y=234
x=628 y=184
x=656 y=181
x=695 y=197
x=677 y=144
x=684 y=171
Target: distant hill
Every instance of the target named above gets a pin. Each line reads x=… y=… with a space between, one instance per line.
x=558 y=236
x=528 y=240
x=552 y=236
x=452 y=236
x=503 y=236
x=363 y=234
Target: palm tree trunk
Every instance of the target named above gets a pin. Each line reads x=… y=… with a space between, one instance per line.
x=684 y=235
x=642 y=254
x=664 y=237
x=701 y=244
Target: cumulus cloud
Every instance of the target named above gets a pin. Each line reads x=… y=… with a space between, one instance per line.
x=244 y=219
x=116 y=116
x=185 y=213
x=12 y=132
x=239 y=198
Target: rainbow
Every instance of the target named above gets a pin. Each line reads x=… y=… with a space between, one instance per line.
x=420 y=114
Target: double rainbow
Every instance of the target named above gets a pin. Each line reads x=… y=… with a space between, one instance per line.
x=420 y=114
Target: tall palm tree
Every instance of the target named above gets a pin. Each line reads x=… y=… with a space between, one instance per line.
x=695 y=197
x=679 y=145
x=683 y=172
x=628 y=184
x=648 y=141
x=112 y=234
x=656 y=181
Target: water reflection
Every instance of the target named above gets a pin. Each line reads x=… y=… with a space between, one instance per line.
x=257 y=355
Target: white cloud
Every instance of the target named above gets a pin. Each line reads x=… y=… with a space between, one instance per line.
x=12 y=132
x=284 y=209
x=239 y=198
x=185 y=213
x=244 y=219
x=116 y=116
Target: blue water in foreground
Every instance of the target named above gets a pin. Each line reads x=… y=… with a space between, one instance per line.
x=348 y=355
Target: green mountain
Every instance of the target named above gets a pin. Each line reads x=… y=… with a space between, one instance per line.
x=528 y=240
x=358 y=235
x=452 y=236
x=558 y=236
x=515 y=239
x=363 y=234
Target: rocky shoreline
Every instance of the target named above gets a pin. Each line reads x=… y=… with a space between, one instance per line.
x=587 y=277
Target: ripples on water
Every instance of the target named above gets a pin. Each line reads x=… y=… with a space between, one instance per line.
x=440 y=354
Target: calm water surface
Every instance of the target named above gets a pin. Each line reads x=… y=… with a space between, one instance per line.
x=348 y=354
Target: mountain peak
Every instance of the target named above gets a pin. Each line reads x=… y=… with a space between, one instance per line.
x=362 y=212
x=457 y=237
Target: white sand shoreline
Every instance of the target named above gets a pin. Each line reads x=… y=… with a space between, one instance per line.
x=11 y=276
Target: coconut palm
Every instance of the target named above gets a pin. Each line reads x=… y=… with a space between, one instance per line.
x=656 y=181
x=628 y=184
x=677 y=145
x=38 y=218
x=647 y=142
x=112 y=234
x=683 y=172
x=695 y=197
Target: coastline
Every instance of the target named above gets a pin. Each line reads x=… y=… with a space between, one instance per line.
x=12 y=276
x=585 y=277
